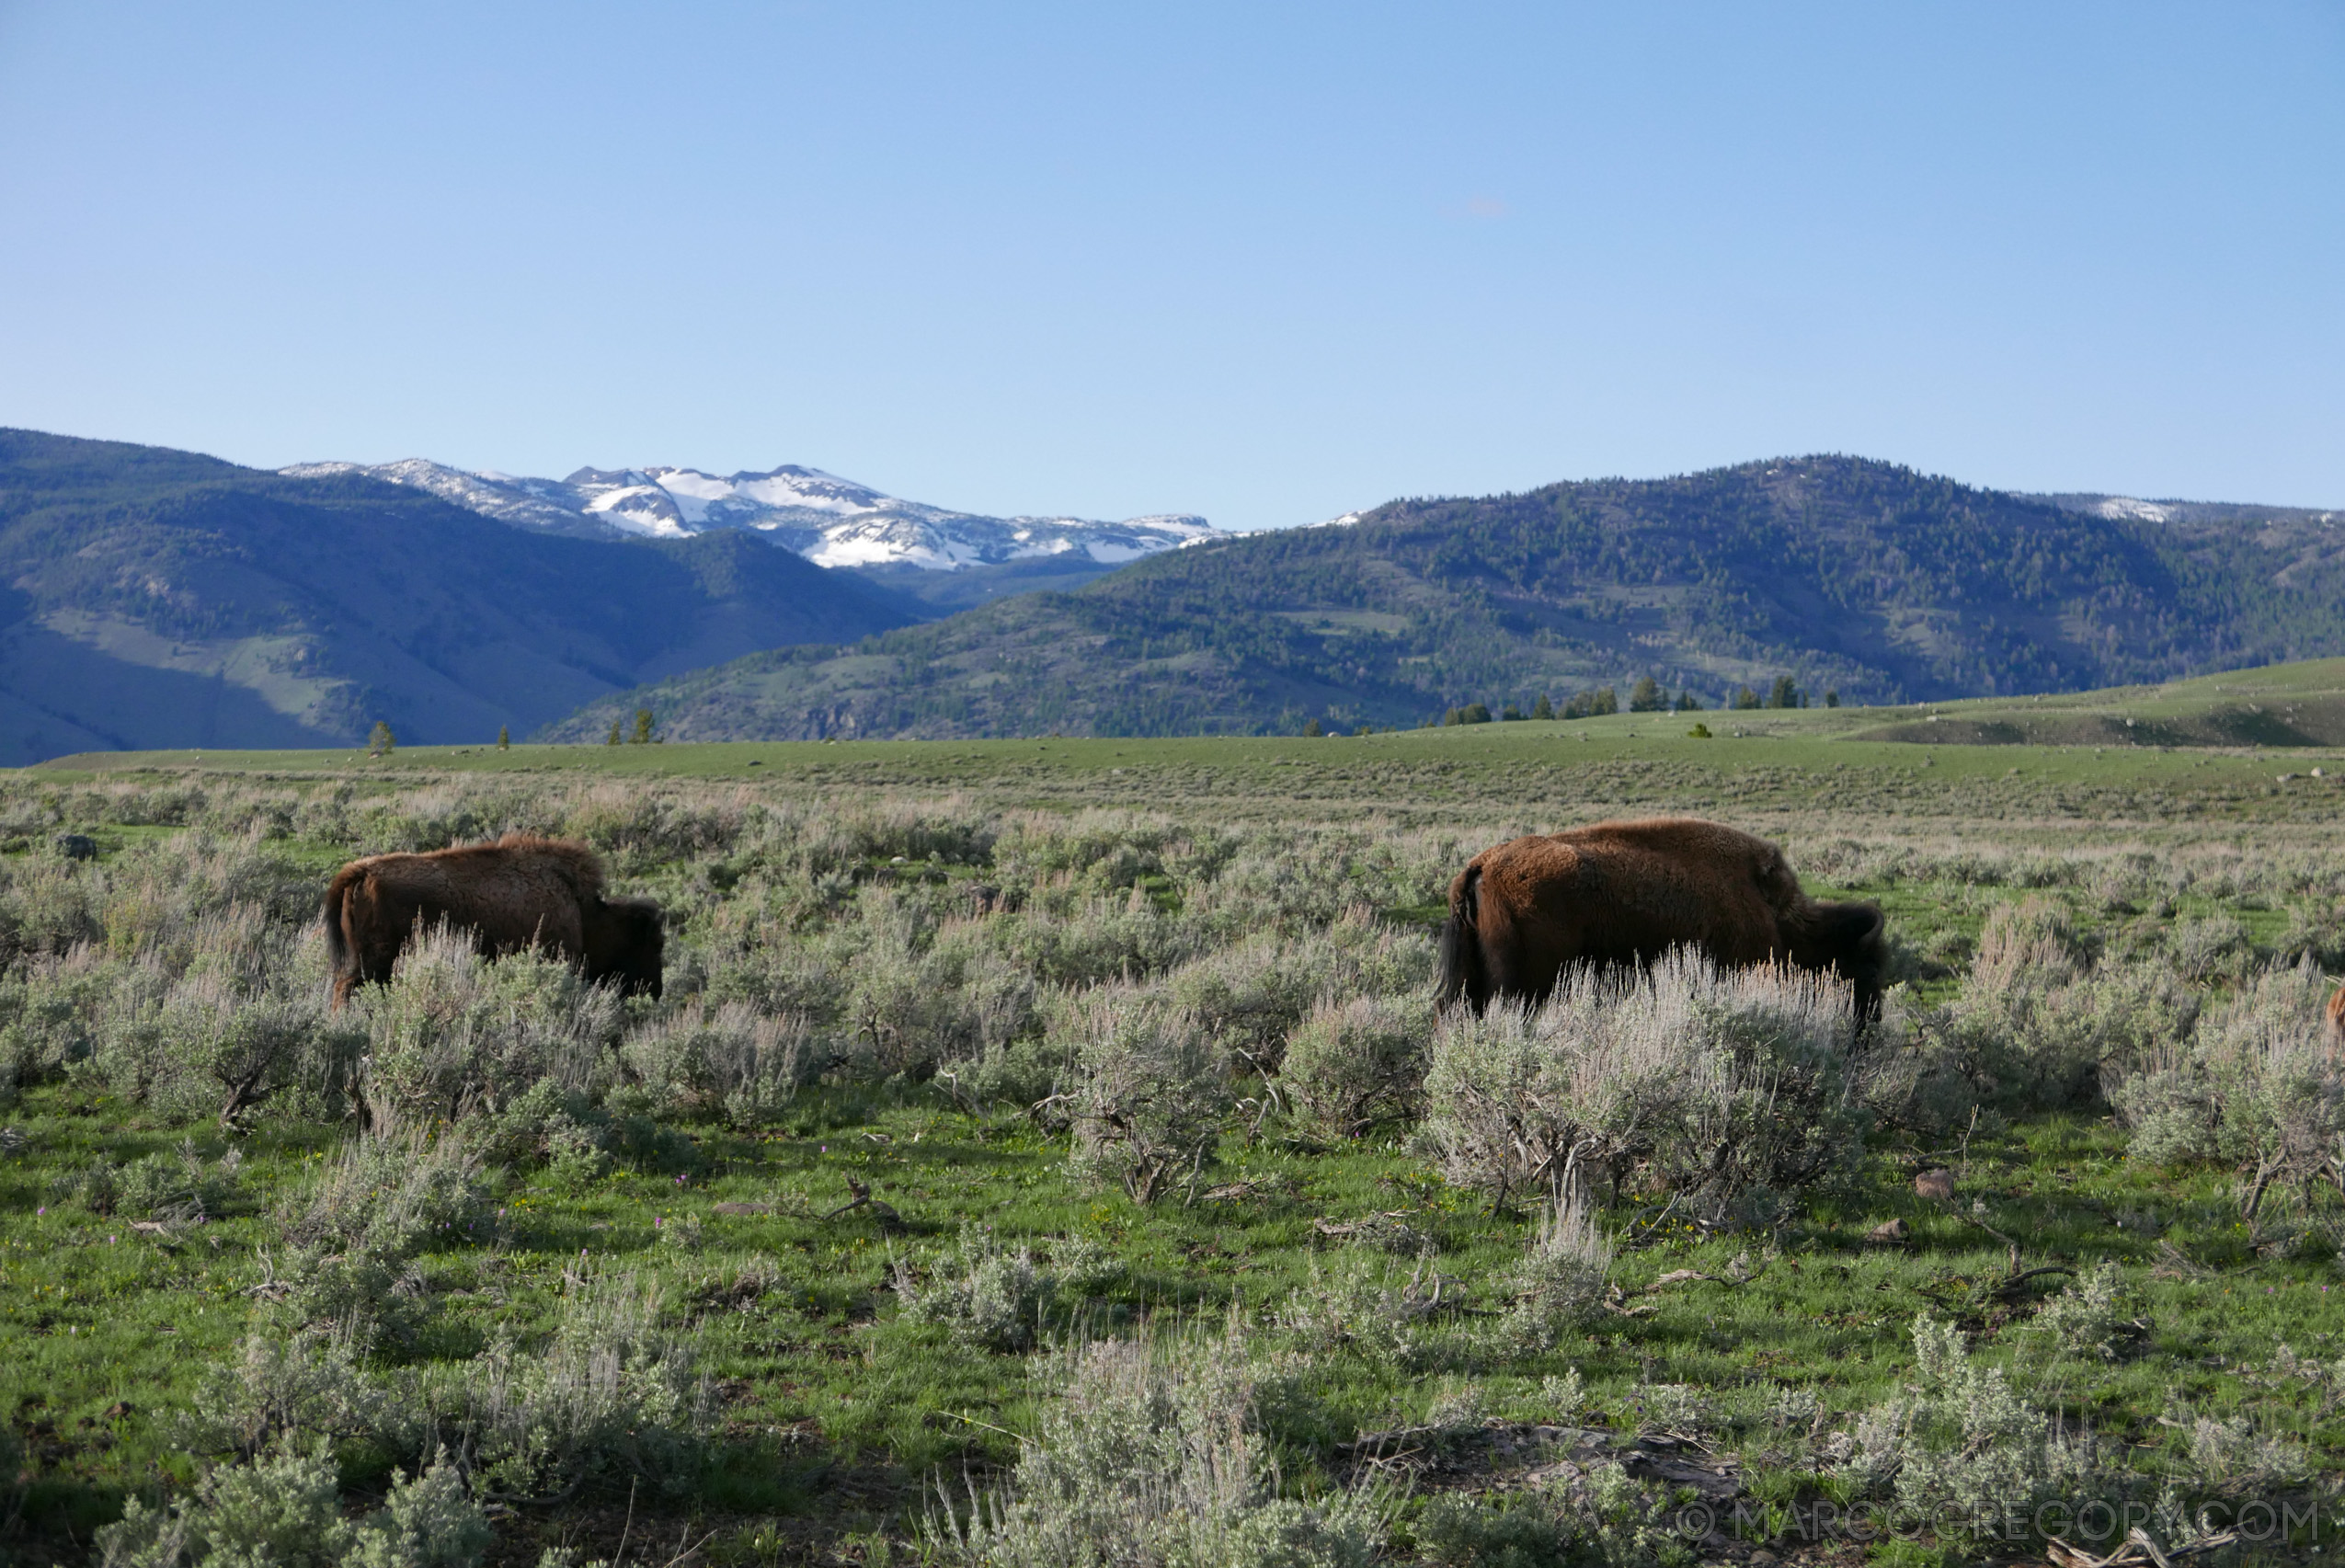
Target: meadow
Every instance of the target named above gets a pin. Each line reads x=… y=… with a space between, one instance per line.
x=1047 y=1152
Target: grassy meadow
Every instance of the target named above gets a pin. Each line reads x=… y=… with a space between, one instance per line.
x=1045 y=1151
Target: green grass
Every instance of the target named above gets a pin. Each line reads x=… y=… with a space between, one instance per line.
x=103 y=1327
x=1789 y=762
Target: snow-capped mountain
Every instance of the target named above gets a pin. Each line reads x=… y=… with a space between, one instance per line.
x=829 y=521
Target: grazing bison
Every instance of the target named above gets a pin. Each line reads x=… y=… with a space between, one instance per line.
x=522 y=891
x=1625 y=893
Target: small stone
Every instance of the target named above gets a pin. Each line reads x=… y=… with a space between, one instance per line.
x=742 y=1209
x=1938 y=1185
x=1889 y=1232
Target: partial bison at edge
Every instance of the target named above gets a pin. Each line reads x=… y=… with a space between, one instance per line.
x=522 y=891
x=1624 y=893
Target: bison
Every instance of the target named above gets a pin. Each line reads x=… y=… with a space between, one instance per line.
x=1624 y=893
x=522 y=891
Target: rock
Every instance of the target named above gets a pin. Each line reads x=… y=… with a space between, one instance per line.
x=1888 y=1233
x=741 y=1208
x=77 y=846
x=1938 y=1185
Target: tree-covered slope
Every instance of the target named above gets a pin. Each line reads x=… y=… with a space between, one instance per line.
x=1885 y=584
x=158 y=598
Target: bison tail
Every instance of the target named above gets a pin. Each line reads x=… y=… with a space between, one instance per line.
x=1461 y=975
x=342 y=963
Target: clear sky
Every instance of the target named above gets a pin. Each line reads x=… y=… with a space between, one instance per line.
x=1265 y=262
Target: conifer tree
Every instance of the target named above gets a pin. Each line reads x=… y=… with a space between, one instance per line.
x=1542 y=708
x=504 y=738
x=614 y=738
x=1646 y=697
x=380 y=742
x=642 y=735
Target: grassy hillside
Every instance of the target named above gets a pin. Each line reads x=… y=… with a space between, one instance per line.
x=2124 y=757
x=1872 y=581
x=157 y=597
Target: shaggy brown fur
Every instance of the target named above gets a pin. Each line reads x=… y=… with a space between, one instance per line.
x=1625 y=893
x=2336 y=1017
x=522 y=891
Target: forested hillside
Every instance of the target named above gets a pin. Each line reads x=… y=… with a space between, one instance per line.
x=1862 y=578
x=159 y=598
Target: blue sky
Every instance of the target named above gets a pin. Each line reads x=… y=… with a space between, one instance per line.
x=1265 y=262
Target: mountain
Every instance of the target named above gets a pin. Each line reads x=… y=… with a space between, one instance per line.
x=829 y=521
x=163 y=599
x=1886 y=584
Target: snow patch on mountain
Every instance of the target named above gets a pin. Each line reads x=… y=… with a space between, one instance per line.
x=2120 y=509
x=829 y=521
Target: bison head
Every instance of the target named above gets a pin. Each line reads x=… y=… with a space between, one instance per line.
x=1848 y=937
x=625 y=941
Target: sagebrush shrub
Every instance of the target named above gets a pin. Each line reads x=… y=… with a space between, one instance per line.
x=350 y=1236
x=1102 y=941
x=454 y=1036
x=1150 y=1091
x=2259 y=1088
x=613 y=1394
x=1360 y=1304
x=1559 y=1284
x=1002 y=1299
x=178 y=1187
x=395 y=1193
x=284 y=1510
x=1731 y=1092
x=731 y=1061
x=2038 y=1025
x=1150 y=1456
x=2233 y=1453
x=2214 y=947
x=1966 y=1449
x=2090 y=1317
x=1609 y=1521
x=1357 y=1064
x=306 y=1384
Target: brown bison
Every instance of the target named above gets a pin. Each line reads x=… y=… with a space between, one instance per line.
x=522 y=891
x=1625 y=893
